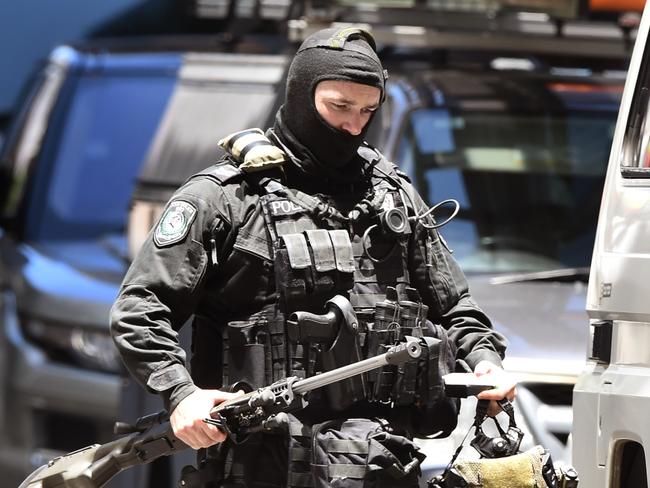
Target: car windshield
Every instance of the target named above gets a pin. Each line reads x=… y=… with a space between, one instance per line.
x=154 y=122
x=528 y=184
x=85 y=188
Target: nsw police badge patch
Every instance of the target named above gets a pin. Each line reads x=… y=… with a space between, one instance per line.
x=175 y=223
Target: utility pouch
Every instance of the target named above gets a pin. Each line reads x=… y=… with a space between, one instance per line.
x=413 y=324
x=384 y=333
x=383 y=380
x=312 y=266
x=324 y=261
x=246 y=346
x=404 y=386
x=440 y=360
x=360 y=453
x=522 y=470
x=438 y=412
x=293 y=269
x=413 y=382
x=340 y=269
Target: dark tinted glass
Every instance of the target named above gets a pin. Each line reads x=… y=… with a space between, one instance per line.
x=199 y=115
x=109 y=125
x=528 y=184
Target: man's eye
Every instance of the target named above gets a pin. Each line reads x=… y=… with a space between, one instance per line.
x=339 y=106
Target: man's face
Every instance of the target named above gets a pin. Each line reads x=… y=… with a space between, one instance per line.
x=346 y=105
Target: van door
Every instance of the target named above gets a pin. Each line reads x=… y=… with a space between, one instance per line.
x=611 y=432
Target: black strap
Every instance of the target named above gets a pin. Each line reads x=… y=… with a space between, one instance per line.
x=482 y=409
x=507 y=407
x=251 y=145
x=481 y=413
x=236 y=137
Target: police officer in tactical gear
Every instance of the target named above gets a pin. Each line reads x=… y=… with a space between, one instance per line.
x=286 y=221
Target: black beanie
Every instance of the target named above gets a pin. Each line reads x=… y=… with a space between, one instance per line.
x=330 y=54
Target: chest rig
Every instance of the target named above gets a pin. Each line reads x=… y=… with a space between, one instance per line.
x=319 y=252
x=354 y=245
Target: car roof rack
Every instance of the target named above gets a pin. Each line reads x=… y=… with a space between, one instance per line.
x=535 y=26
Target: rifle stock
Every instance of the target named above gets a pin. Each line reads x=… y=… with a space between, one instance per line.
x=94 y=466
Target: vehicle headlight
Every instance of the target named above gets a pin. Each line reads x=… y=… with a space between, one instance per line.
x=72 y=344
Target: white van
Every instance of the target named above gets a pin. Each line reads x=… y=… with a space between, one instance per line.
x=611 y=401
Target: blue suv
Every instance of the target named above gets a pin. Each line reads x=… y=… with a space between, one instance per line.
x=68 y=169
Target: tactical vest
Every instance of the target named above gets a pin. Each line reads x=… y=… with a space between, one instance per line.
x=317 y=252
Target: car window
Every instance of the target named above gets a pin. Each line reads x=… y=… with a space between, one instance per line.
x=24 y=143
x=528 y=182
x=217 y=94
x=635 y=160
x=198 y=116
x=106 y=132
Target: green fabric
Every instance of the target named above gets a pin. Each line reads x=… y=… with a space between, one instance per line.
x=353 y=446
x=261 y=153
x=353 y=471
x=522 y=470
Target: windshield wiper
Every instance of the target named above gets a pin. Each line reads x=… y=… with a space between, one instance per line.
x=562 y=275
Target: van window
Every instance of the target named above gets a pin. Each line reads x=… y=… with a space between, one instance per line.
x=635 y=162
x=198 y=116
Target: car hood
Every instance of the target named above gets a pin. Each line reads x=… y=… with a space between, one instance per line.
x=74 y=282
x=545 y=322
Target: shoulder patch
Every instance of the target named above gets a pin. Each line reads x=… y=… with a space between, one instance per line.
x=175 y=223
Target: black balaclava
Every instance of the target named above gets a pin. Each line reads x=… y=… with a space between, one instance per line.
x=330 y=54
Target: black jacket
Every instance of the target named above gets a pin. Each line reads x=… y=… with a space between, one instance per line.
x=210 y=255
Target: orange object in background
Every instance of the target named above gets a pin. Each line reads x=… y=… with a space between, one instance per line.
x=616 y=5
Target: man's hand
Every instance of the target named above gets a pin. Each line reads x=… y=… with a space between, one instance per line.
x=506 y=385
x=187 y=418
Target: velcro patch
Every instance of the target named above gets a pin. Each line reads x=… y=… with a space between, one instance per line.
x=175 y=223
x=282 y=207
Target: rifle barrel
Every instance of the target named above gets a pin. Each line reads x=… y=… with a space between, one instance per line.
x=395 y=355
x=398 y=354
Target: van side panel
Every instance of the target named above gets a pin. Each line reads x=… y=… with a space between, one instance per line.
x=611 y=400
